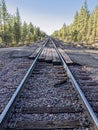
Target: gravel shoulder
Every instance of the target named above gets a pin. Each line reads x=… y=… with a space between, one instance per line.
x=14 y=64
x=86 y=57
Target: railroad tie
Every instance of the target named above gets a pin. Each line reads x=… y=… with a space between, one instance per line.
x=65 y=56
x=48 y=58
x=28 y=125
x=60 y=82
x=34 y=54
x=56 y=59
x=49 y=110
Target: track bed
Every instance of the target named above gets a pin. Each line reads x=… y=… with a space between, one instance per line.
x=47 y=97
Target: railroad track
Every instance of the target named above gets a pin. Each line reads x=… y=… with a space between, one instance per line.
x=48 y=97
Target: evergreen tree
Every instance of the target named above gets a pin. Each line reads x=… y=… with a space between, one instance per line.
x=0 y=15
x=83 y=29
x=90 y=27
x=4 y=13
x=0 y=25
x=17 y=26
x=76 y=22
x=4 y=20
x=24 y=32
x=11 y=30
x=31 y=28
x=37 y=32
x=63 y=31
x=95 y=25
x=29 y=37
x=75 y=27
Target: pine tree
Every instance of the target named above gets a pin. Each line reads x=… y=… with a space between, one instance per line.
x=63 y=32
x=0 y=25
x=29 y=38
x=17 y=28
x=75 y=28
x=31 y=28
x=11 y=30
x=95 y=25
x=4 y=13
x=77 y=31
x=76 y=22
x=24 y=32
x=0 y=15
x=96 y=10
x=89 y=32
x=37 y=31
x=42 y=35
x=4 y=20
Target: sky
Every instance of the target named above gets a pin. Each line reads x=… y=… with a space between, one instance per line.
x=49 y=15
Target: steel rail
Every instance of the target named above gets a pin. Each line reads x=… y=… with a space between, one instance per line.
x=77 y=87
x=5 y=112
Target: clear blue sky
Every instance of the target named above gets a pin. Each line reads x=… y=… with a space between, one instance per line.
x=49 y=15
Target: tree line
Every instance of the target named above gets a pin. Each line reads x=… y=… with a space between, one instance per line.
x=13 y=32
x=84 y=28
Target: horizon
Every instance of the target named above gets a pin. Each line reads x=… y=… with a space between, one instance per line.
x=49 y=15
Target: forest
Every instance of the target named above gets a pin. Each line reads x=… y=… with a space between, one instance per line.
x=83 y=29
x=13 y=32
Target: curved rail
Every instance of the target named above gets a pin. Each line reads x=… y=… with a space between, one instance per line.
x=10 y=104
x=77 y=87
